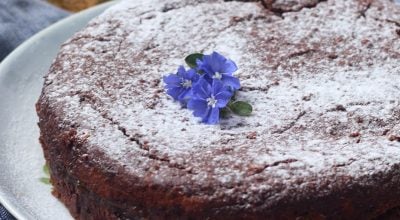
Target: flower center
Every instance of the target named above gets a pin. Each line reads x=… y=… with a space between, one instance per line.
x=217 y=75
x=212 y=101
x=186 y=83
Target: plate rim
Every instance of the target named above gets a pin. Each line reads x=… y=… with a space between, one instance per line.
x=11 y=206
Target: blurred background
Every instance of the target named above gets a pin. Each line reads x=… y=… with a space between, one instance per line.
x=20 y=19
x=75 y=5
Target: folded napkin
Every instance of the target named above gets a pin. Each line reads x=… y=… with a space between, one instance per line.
x=20 y=19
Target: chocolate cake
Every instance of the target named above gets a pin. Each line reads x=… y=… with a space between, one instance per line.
x=323 y=141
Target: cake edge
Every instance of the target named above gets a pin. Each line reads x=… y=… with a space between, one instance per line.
x=58 y=145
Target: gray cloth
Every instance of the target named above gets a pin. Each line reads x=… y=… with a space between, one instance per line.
x=4 y=215
x=20 y=19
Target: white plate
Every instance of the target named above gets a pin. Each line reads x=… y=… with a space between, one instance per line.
x=21 y=156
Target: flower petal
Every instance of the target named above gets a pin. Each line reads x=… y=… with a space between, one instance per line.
x=185 y=94
x=231 y=81
x=199 y=107
x=208 y=78
x=213 y=117
x=216 y=62
x=172 y=79
x=223 y=98
x=202 y=89
x=204 y=64
x=229 y=67
x=199 y=63
x=175 y=92
x=181 y=71
x=192 y=75
x=217 y=86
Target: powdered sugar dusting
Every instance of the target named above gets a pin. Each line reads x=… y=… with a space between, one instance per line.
x=324 y=93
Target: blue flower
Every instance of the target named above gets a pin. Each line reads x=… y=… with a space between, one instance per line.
x=207 y=100
x=217 y=67
x=179 y=85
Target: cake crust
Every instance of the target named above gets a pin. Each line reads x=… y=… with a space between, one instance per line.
x=322 y=142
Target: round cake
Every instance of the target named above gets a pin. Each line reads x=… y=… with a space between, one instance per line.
x=322 y=142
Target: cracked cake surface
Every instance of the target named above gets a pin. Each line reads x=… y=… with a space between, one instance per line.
x=322 y=141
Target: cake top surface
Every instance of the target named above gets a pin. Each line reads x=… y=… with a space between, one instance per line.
x=322 y=78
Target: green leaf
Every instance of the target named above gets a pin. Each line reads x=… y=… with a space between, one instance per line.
x=241 y=108
x=45 y=180
x=46 y=169
x=191 y=59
